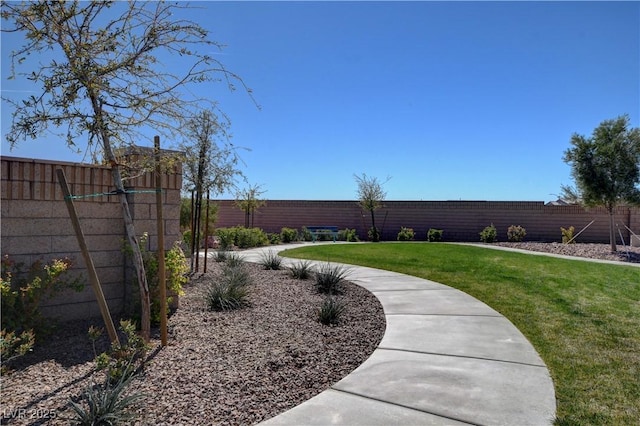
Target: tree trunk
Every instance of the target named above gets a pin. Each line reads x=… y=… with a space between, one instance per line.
x=612 y=231
x=138 y=263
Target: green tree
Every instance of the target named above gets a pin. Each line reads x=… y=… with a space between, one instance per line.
x=247 y=200
x=370 y=197
x=606 y=168
x=107 y=82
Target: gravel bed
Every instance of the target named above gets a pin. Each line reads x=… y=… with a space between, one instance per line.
x=592 y=251
x=228 y=368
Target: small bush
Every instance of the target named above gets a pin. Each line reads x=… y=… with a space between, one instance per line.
x=406 y=234
x=301 y=270
x=305 y=234
x=123 y=360
x=233 y=259
x=330 y=311
x=241 y=237
x=106 y=404
x=288 y=235
x=434 y=235
x=516 y=234
x=220 y=256
x=328 y=277
x=231 y=289
x=373 y=234
x=489 y=234
x=271 y=261
x=567 y=235
x=349 y=235
x=274 y=238
x=13 y=346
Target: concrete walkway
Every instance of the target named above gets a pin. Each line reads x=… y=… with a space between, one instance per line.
x=445 y=359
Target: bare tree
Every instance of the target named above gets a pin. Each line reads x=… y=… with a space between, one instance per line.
x=107 y=81
x=370 y=197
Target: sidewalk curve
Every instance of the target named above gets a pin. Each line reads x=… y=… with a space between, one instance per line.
x=446 y=358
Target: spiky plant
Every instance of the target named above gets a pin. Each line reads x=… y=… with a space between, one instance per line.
x=329 y=276
x=330 y=311
x=271 y=261
x=301 y=270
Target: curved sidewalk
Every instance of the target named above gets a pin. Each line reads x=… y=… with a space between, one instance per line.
x=445 y=359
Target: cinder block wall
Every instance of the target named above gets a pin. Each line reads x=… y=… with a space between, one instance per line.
x=36 y=225
x=460 y=220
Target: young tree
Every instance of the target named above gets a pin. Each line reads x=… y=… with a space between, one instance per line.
x=370 y=197
x=209 y=166
x=106 y=80
x=606 y=168
x=248 y=201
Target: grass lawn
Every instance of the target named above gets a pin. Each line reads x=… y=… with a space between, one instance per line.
x=583 y=318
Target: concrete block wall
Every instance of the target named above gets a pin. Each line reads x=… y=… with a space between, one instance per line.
x=36 y=225
x=460 y=220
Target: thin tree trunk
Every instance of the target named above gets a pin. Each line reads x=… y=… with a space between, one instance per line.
x=612 y=231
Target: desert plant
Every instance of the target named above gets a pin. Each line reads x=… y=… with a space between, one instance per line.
x=567 y=235
x=330 y=311
x=274 y=238
x=516 y=233
x=233 y=259
x=329 y=276
x=349 y=235
x=373 y=234
x=489 y=234
x=230 y=290
x=22 y=292
x=106 y=404
x=220 y=256
x=406 y=234
x=288 y=235
x=305 y=234
x=124 y=359
x=270 y=260
x=301 y=270
x=434 y=235
x=13 y=346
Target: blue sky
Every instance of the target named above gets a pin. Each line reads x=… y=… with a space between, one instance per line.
x=451 y=100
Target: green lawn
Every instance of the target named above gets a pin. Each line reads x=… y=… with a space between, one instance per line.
x=582 y=317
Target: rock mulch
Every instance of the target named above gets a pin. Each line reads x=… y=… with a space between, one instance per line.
x=592 y=251
x=227 y=368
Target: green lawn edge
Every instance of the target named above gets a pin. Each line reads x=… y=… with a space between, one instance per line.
x=582 y=317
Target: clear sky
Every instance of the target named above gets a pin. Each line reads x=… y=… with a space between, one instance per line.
x=451 y=100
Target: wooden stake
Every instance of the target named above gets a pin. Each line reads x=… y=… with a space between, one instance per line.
x=93 y=276
x=162 y=280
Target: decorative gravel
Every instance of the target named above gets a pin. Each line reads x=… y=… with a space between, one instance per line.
x=228 y=368
x=592 y=251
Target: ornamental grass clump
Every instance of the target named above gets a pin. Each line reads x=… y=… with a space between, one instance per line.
x=331 y=310
x=301 y=270
x=231 y=289
x=328 y=277
x=271 y=261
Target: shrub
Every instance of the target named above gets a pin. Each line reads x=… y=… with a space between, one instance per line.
x=567 y=235
x=124 y=359
x=373 y=234
x=349 y=235
x=271 y=261
x=232 y=260
x=301 y=270
x=106 y=404
x=434 y=235
x=288 y=235
x=305 y=235
x=220 y=256
x=328 y=277
x=241 y=237
x=489 y=234
x=176 y=270
x=516 y=233
x=274 y=238
x=231 y=289
x=406 y=234
x=13 y=346
x=23 y=291
x=330 y=311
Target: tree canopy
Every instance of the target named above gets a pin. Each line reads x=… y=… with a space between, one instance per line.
x=605 y=167
x=370 y=197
